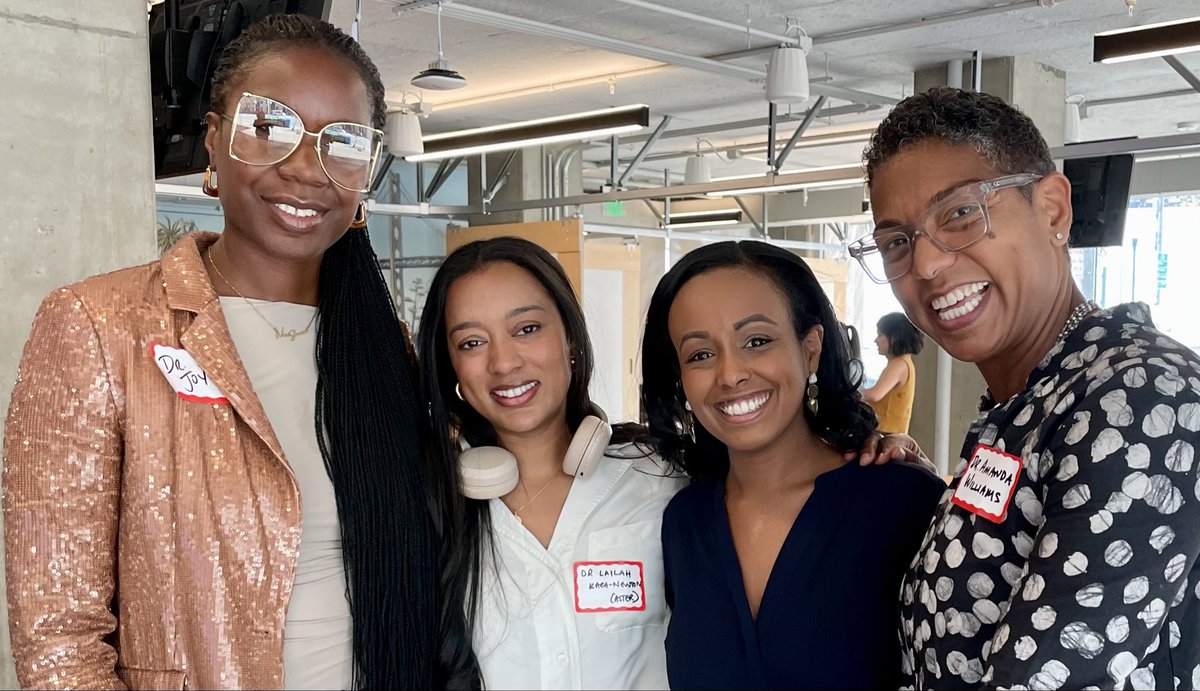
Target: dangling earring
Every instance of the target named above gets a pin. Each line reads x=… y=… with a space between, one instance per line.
x=209 y=187
x=811 y=394
x=689 y=421
x=360 y=216
x=458 y=392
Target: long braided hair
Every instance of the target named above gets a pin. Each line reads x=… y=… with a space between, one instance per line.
x=392 y=504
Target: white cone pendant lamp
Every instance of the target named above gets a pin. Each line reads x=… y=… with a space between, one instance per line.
x=404 y=134
x=697 y=171
x=787 y=75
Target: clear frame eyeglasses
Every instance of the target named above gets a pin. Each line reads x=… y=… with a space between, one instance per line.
x=951 y=224
x=266 y=132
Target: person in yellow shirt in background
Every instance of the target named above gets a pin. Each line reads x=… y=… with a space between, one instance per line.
x=892 y=395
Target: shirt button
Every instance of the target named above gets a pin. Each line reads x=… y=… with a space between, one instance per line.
x=563 y=660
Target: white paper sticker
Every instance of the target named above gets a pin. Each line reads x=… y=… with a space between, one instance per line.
x=189 y=380
x=989 y=483
x=609 y=586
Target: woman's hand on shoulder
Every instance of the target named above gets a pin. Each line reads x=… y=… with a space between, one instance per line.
x=880 y=448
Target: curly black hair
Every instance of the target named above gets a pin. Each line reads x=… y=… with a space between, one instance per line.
x=278 y=32
x=843 y=420
x=1004 y=136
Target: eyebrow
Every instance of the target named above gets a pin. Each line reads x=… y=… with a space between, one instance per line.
x=515 y=312
x=741 y=323
x=737 y=326
x=937 y=197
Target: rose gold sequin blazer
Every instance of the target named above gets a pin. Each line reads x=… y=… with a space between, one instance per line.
x=151 y=540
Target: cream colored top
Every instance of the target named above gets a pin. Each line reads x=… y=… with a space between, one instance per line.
x=318 y=634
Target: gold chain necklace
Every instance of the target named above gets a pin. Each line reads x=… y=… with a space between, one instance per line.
x=517 y=512
x=290 y=334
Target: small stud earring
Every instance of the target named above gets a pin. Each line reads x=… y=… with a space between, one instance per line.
x=1058 y=236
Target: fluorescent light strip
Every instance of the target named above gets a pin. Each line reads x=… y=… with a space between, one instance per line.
x=696 y=224
x=1149 y=41
x=531 y=123
x=521 y=143
x=563 y=128
x=769 y=189
x=710 y=212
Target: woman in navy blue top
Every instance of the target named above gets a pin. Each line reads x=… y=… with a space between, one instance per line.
x=783 y=561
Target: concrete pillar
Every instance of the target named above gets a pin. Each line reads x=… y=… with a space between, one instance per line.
x=77 y=169
x=1040 y=92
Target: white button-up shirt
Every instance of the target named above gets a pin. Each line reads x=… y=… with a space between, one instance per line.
x=532 y=633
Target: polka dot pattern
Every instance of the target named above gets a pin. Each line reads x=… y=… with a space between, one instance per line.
x=1091 y=581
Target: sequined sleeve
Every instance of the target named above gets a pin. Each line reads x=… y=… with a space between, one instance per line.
x=62 y=465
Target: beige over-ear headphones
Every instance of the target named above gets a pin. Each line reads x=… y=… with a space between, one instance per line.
x=490 y=472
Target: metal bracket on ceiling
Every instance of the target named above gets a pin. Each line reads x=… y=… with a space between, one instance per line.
x=444 y=170
x=804 y=124
x=1188 y=76
x=641 y=154
x=501 y=178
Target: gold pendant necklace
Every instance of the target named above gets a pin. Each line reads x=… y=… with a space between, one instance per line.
x=517 y=512
x=280 y=333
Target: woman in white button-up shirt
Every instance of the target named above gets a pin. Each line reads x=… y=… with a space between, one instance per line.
x=562 y=577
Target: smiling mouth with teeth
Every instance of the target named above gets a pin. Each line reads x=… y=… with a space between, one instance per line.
x=298 y=212
x=516 y=391
x=959 y=302
x=744 y=406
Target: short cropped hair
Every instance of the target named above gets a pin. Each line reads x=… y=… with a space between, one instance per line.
x=1004 y=136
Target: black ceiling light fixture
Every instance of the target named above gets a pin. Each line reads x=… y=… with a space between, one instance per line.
x=1150 y=41
x=439 y=76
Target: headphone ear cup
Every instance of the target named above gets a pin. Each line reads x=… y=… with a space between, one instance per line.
x=487 y=472
x=587 y=447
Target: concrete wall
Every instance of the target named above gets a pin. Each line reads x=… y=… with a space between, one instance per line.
x=77 y=169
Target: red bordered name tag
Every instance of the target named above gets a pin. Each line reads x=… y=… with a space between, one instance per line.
x=609 y=586
x=988 y=485
x=190 y=381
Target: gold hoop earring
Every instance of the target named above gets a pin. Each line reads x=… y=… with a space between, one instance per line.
x=360 y=216
x=209 y=187
x=811 y=394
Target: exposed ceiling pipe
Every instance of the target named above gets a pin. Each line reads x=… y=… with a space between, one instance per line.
x=789 y=40
x=905 y=25
x=931 y=21
x=616 y=45
x=691 y=132
x=1132 y=99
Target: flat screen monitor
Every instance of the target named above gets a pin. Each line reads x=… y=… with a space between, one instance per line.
x=1099 y=197
x=186 y=39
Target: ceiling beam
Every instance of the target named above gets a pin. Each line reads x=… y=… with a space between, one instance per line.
x=616 y=45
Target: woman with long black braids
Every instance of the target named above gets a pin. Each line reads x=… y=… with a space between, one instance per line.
x=215 y=471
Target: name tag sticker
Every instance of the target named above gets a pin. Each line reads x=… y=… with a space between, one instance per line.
x=190 y=381
x=989 y=483
x=609 y=586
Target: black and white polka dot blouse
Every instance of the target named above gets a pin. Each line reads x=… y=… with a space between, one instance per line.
x=1091 y=579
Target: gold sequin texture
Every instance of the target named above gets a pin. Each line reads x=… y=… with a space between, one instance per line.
x=151 y=541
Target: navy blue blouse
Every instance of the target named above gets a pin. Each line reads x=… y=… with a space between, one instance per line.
x=829 y=614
